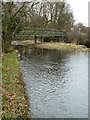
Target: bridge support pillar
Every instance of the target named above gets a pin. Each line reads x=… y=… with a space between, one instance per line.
x=35 y=38
x=41 y=39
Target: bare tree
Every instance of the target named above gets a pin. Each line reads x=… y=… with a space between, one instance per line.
x=12 y=15
x=16 y=16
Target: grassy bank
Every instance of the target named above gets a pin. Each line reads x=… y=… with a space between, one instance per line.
x=62 y=46
x=14 y=96
x=54 y=45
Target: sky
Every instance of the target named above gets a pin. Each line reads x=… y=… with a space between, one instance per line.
x=80 y=10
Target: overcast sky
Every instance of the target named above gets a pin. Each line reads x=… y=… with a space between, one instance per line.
x=80 y=10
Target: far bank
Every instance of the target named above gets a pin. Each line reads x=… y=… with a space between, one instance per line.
x=62 y=46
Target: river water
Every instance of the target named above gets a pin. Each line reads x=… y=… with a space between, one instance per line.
x=57 y=83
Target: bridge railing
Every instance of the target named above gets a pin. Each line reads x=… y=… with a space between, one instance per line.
x=41 y=32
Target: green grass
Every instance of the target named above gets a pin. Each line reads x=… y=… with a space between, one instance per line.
x=14 y=97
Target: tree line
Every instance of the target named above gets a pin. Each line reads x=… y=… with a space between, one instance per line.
x=52 y=15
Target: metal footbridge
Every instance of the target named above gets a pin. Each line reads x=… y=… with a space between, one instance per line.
x=41 y=32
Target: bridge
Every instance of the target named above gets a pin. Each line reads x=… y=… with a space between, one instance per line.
x=41 y=32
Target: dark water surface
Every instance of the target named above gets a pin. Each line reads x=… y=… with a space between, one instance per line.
x=57 y=83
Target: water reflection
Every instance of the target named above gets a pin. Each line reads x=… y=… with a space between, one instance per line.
x=57 y=83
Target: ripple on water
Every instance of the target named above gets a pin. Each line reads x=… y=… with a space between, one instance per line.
x=56 y=84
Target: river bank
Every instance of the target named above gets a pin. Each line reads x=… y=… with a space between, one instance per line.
x=53 y=45
x=62 y=46
x=14 y=96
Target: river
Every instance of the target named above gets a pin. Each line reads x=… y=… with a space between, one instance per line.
x=56 y=82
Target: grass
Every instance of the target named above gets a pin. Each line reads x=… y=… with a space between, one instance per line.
x=14 y=96
x=0 y=87
x=55 y=45
x=62 y=46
